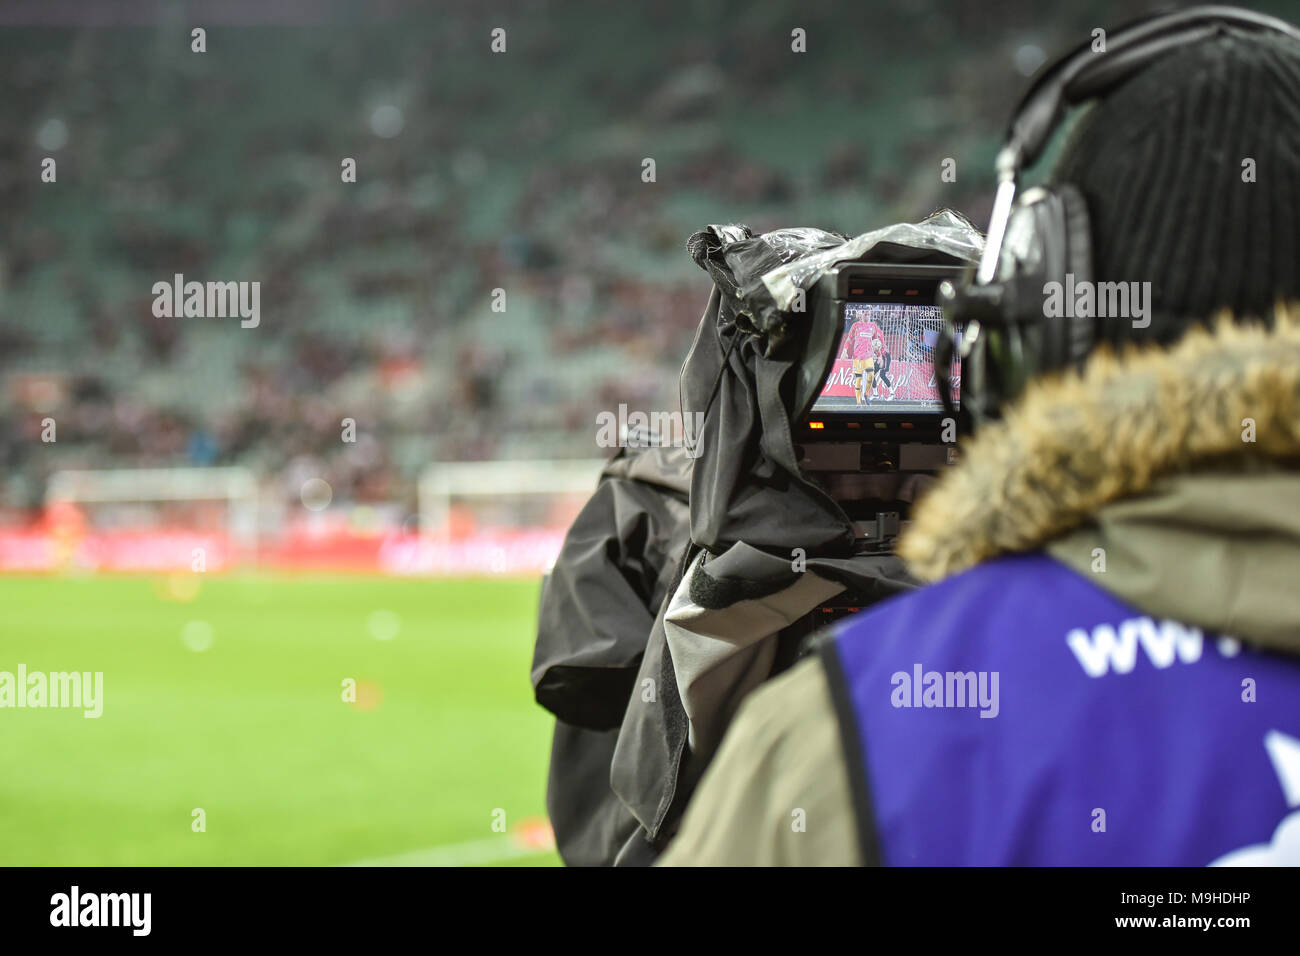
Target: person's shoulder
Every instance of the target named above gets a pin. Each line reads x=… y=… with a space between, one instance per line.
x=1015 y=581
x=777 y=793
x=786 y=704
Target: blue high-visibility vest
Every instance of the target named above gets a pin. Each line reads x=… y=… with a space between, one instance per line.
x=1019 y=714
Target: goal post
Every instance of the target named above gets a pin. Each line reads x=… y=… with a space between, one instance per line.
x=496 y=517
x=484 y=517
x=512 y=484
x=235 y=486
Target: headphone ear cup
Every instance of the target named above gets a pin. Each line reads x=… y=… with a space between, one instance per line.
x=1081 y=331
x=1047 y=240
x=1053 y=236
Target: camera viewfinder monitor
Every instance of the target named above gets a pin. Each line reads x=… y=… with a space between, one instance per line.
x=883 y=363
x=875 y=409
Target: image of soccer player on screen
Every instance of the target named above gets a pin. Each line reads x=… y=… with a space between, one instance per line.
x=860 y=346
x=881 y=366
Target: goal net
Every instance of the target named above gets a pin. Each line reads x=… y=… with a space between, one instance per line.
x=495 y=517
x=199 y=519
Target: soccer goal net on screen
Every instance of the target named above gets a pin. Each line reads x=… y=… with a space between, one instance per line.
x=497 y=517
x=907 y=334
x=149 y=519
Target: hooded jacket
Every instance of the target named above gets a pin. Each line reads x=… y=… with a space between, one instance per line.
x=1164 y=478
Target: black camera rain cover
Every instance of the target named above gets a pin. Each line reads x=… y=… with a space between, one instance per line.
x=739 y=382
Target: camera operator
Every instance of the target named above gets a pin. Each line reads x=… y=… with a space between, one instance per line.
x=1104 y=670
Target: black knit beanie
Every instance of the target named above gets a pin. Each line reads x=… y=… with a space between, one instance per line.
x=1160 y=162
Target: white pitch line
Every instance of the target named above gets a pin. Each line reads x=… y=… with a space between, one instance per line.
x=470 y=853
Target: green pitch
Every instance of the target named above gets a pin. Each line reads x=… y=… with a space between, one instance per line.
x=229 y=698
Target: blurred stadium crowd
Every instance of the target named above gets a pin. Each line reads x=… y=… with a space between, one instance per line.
x=475 y=171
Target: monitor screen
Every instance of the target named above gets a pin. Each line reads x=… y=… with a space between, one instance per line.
x=885 y=361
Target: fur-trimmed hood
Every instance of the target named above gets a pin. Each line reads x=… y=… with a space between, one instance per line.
x=1130 y=428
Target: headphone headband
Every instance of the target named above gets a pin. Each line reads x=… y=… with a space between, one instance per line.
x=1056 y=217
x=1083 y=75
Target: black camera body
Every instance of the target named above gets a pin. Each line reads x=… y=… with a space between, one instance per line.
x=878 y=422
x=876 y=432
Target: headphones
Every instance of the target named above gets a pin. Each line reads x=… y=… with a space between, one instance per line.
x=1044 y=235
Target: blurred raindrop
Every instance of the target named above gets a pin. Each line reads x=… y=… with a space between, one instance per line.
x=1029 y=57
x=386 y=121
x=197 y=636
x=316 y=494
x=53 y=134
x=383 y=625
